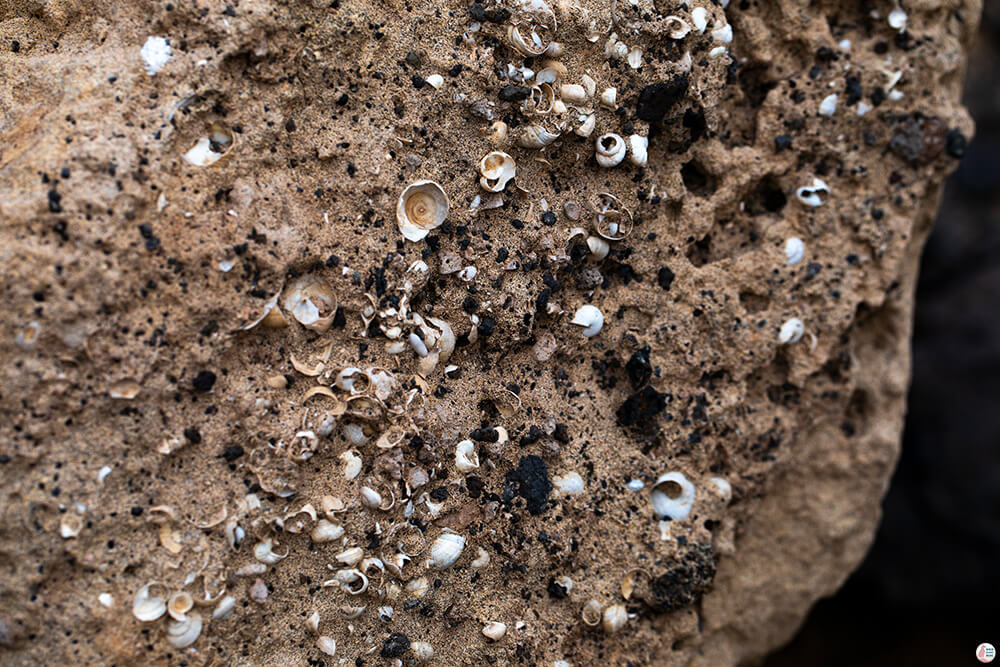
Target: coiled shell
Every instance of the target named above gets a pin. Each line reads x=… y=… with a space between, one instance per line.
x=672 y=496
x=535 y=136
x=422 y=206
x=445 y=550
x=610 y=150
x=146 y=607
x=496 y=169
x=183 y=633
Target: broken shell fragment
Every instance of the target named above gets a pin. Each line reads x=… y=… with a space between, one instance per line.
x=609 y=97
x=466 y=458
x=599 y=248
x=530 y=46
x=146 y=607
x=445 y=550
x=699 y=17
x=326 y=645
x=586 y=127
x=353 y=380
x=672 y=496
x=70 y=526
x=590 y=318
x=791 y=331
x=482 y=559
x=495 y=630
x=265 y=554
x=352 y=465
x=422 y=206
x=570 y=484
x=351 y=581
x=496 y=169
x=615 y=618
x=182 y=633
x=312 y=302
x=573 y=93
x=422 y=651
x=326 y=531
x=224 y=608
x=435 y=81
x=610 y=150
x=351 y=556
x=614 y=221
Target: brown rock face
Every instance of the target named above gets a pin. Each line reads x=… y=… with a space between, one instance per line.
x=199 y=235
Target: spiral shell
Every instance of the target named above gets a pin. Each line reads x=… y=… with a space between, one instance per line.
x=535 y=136
x=496 y=169
x=422 y=206
x=610 y=150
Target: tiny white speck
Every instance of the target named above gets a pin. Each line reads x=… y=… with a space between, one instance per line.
x=635 y=485
x=895 y=95
x=155 y=53
x=863 y=108
x=103 y=473
x=897 y=19
x=845 y=45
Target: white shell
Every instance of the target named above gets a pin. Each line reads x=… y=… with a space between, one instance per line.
x=106 y=600
x=422 y=651
x=699 y=17
x=326 y=531
x=421 y=207
x=637 y=147
x=676 y=507
x=445 y=550
x=791 y=331
x=183 y=633
x=610 y=150
x=573 y=92
x=179 y=605
x=795 y=250
x=347 y=580
x=723 y=487
x=224 y=608
x=829 y=105
x=495 y=630
x=529 y=46
x=634 y=58
x=615 y=618
x=348 y=380
x=352 y=465
x=417 y=587
x=535 y=136
x=466 y=458
x=312 y=302
x=265 y=554
x=609 y=97
x=590 y=318
x=482 y=559
x=496 y=169
x=677 y=27
x=599 y=248
x=589 y=85
x=435 y=81
x=723 y=34
x=70 y=526
x=586 y=128
x=570 y=484
x=327 y=645
x=809 y=195
x=351 y=556
x=201 y=154
x=370 y=497
x=147 y=608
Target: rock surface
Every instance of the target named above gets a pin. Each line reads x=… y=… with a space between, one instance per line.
x=154 y=207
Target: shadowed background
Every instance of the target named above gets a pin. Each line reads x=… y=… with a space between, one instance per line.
x=929 y=591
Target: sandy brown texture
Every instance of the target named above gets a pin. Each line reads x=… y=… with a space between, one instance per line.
x=138 y=408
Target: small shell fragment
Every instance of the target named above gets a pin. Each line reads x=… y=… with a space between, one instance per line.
x=155 y=54
x=422 y=206
x=70 y=526
x=672 y=496
x=224 y=608
x=327 y=645
x=466 y=458
x=637 y=147
x=422 y=651
x=591 y=613
x=570 y=484
x=325 y=531
x=897 y=19
x=435 y=81
x=699 y=17
x=265 y=554
x=535 y=136
x=609 y=97
x=445 y=550
x=312 y=302
x=828 y=106
x=791 y=331
x=795 y=250
x=573 y=93
x=495 y=630
x=590 y=318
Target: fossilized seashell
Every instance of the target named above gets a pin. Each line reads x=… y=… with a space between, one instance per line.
x=422 y=651
x=599 y=248
x=445 y=550
x=791 y=331
x=495 y=171
x=70 y=526
x=422 y=206
x=182 y=633
x=672 y=496
x=610 y=150
x=350 y=580
x=353 y=380
x=535 y=136
x=311 y=301
x=146 y=607
x=609 y=97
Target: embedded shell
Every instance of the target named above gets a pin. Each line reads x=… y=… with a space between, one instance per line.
x=422 y=206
